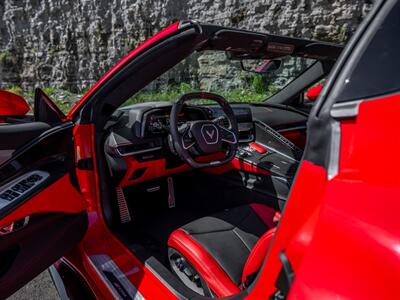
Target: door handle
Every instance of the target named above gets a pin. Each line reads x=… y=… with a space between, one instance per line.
x=14 y=226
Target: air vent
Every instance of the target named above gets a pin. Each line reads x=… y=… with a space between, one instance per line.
x=132 y=149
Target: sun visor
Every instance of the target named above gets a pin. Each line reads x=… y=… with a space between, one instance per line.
x=241 y=44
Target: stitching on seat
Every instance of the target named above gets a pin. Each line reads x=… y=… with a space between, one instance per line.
x=238 y=235
x=207 y=232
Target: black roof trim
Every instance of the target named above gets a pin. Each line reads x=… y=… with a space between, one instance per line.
x=248 y=44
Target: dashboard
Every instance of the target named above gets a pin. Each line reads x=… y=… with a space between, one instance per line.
x=152 y=119
x=137 y=147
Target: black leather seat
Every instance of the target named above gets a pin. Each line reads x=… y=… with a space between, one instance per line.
x=216 y=254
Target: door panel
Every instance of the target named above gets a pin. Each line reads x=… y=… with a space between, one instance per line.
x=48 y=200
x=42 y=211
x=5 y=155
x=27 y=252
x=13 y=136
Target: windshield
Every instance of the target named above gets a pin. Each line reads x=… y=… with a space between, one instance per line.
x=212 y=71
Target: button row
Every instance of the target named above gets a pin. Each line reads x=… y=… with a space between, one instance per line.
x=21 y=187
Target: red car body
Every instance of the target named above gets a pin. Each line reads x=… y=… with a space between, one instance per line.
x=339 y=232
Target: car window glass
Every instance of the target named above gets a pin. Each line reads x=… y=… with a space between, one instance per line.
x=212 y=71
x=376 y=69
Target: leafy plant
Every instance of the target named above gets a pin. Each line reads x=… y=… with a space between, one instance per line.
x=49 y=90
x=16 y=90
x=6 y=56
x=258 y=84
x=236 y=95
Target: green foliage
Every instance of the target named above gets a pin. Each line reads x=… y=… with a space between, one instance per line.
x=49 y=91
x=6 y=56
x=258 y=84
x=16 y=90
x=185 y=88
x=169 y=93
x=256 y=93
x=85 y=90
x=64 y=106
x=64 y=99
x=30 y=94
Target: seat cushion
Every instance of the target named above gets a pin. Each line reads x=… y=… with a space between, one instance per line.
x=218 y=246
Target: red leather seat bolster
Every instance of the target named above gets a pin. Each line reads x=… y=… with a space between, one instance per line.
x=215 y=277
x=257 y=254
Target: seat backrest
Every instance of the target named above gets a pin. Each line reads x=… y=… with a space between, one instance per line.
x=257 y=254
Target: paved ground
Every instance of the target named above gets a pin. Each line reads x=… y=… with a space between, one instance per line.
x=39 y=288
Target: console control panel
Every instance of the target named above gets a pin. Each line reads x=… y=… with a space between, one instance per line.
x=21 y=186
x=269 y=159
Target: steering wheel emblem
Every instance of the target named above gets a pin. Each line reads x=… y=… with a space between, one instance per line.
x=210 y=133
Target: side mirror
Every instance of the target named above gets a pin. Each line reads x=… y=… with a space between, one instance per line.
x=12 y=105
x=260 y=66
x=313 y=93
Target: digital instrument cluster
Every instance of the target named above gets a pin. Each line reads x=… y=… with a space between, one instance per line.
x=157 y=121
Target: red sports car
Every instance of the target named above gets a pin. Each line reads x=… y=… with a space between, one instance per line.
x=130 y=196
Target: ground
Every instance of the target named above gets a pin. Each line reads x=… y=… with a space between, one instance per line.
x=39 y=288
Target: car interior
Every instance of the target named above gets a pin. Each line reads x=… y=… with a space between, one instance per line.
x=198 y=183
x=195 y=185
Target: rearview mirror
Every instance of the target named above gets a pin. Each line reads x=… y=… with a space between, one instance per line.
x=261 y=66
x=12 y=105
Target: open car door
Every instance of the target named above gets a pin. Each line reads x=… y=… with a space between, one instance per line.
x=42 y=210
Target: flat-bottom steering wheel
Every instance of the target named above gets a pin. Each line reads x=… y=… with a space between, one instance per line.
x=207 y=137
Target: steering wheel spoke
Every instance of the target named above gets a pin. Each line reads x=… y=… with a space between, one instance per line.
x=220 y=121
x=227 y=135
x=187 y=139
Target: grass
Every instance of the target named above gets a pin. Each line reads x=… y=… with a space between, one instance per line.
x=15 y=90
x=65 y=104
x=256 y=91
x=238 y=95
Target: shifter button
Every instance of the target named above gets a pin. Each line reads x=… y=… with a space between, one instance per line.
x=258 y=148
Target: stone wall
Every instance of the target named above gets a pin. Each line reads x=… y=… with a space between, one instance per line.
x=70 y=43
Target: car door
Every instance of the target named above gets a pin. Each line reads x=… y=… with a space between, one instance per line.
x=339 y=234
x=42 y=210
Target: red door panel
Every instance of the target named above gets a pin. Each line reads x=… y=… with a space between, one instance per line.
x=60 y=197
x=42 y=210
x=339 y=235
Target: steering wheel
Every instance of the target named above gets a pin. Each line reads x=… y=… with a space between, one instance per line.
x=203 y=136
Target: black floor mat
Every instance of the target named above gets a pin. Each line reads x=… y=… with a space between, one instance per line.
x=152 y=233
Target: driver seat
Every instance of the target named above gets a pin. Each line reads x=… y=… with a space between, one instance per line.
x=218 y=255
